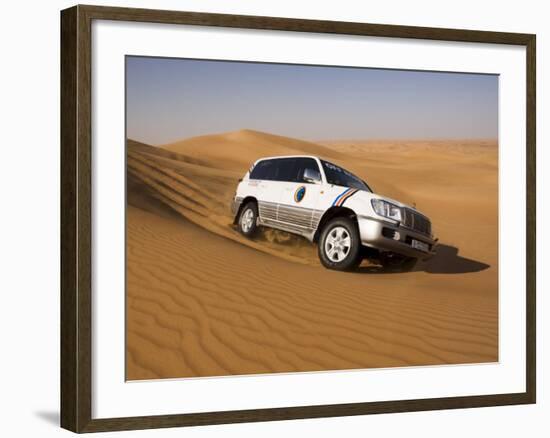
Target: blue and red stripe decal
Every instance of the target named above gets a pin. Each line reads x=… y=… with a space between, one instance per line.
x=342 y=197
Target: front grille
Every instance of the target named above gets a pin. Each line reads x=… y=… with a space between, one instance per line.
x=415 y=221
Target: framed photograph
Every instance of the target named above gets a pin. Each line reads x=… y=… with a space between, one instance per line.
x=269 y=218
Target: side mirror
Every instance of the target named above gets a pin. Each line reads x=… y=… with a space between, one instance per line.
x=312 y=176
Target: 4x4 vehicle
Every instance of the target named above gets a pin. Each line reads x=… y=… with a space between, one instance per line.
x=328 y=205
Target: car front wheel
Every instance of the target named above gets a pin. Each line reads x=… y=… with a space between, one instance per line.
x=339 y=245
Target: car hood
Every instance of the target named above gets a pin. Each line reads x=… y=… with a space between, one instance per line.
x=371 y=195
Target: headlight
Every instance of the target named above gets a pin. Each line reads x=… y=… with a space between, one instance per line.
x=386 y=209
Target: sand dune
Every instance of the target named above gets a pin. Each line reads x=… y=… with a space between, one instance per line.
x=204 y=301
x=235 y=149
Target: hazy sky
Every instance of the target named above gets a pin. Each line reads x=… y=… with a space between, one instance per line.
x=172 y=99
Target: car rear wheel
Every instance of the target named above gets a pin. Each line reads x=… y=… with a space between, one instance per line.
x=248 y=220
x=339 y=245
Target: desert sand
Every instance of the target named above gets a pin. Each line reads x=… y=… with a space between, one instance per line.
x=204 y=301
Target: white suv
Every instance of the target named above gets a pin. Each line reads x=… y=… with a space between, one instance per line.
x=327 y=204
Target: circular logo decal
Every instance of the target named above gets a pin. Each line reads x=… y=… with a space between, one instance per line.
x=299 y=193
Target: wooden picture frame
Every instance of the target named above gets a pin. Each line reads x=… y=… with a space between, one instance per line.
x=76 y=196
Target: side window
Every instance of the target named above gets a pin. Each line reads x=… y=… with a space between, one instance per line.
x=285 y=169
x=306 y=163
x=262 y=170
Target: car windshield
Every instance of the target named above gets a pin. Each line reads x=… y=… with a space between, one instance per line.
x=341 y=177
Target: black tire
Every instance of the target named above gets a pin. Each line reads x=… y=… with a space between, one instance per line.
x=351 y=257
x=248 y=220
x=397 y=263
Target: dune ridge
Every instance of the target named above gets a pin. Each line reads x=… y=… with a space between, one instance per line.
x=188 y=199
x=233 y=149
x=204 y=301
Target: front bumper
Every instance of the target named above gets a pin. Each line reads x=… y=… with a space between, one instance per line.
x=386 y=236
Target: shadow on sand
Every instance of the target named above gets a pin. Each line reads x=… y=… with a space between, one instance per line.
x=446 y=261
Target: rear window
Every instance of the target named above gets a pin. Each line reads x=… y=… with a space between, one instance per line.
x=263 y=170
x=280 y=169
x=283 y=169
